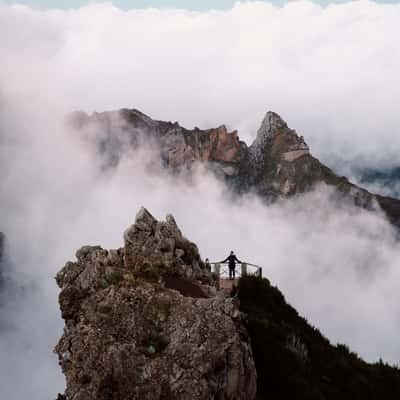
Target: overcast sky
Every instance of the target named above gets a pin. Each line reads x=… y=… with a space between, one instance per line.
x=187 y=4
x=331 y=73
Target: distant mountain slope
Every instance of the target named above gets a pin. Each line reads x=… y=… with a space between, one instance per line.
x=277 y=164
x=293 y=359
x=387 y=180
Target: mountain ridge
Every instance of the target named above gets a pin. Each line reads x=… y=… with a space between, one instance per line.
x=278 y=164
x=295 y=361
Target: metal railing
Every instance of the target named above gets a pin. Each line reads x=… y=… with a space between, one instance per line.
x=241 y=269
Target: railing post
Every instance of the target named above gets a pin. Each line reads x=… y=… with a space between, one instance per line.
x=244 y=269
x=217 y=269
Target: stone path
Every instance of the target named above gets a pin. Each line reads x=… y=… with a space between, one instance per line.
x=227 y=284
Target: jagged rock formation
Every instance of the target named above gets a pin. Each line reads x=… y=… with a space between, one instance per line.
x=146 y=322
x=278 y=164
x=295 y=361
x=117 y=132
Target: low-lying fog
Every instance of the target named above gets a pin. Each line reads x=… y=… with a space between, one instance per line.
x=332 y=73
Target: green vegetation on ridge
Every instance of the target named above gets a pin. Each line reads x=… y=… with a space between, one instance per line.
x=295 y=361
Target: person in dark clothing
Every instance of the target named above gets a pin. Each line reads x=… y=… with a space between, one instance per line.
x=232 y=260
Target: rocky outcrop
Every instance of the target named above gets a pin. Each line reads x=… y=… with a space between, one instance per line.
x=278 y=164
x=146 y=322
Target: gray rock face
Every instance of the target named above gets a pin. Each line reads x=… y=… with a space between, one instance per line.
x=271 y=125
x=146 y=322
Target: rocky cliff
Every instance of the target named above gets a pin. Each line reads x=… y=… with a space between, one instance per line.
x=278 y=164
x=146 y=322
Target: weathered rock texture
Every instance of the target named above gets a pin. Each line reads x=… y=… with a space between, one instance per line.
x=118 y=132
x=277 y=165
x=146 y=322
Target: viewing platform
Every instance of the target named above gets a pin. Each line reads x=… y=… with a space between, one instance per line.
x=242 y=269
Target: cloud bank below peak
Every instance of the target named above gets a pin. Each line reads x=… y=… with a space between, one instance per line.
x=331 y=72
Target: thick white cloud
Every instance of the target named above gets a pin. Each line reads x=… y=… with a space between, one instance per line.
x=331 y=72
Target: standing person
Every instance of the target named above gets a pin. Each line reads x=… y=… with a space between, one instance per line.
x=232 y=260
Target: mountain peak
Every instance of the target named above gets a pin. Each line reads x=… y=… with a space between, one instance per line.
x=271 y=124
x=277 y=164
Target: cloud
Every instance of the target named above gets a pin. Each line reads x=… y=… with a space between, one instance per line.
x=331 y=72
x=335 y=263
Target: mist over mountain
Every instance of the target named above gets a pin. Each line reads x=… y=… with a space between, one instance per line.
x=278 y=164
x=386 y=181
x=9 y=289
x=331 y=73
x=152 y=311
x=294 y=238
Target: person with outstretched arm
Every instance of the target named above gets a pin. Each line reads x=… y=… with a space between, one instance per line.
x=232 y=260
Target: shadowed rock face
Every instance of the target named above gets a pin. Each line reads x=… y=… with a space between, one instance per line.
x=146 y=322
x=295 y=361
x=277 y=165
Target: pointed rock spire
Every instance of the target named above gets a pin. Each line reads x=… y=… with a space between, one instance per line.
x=143 y=217
x=271 y=125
